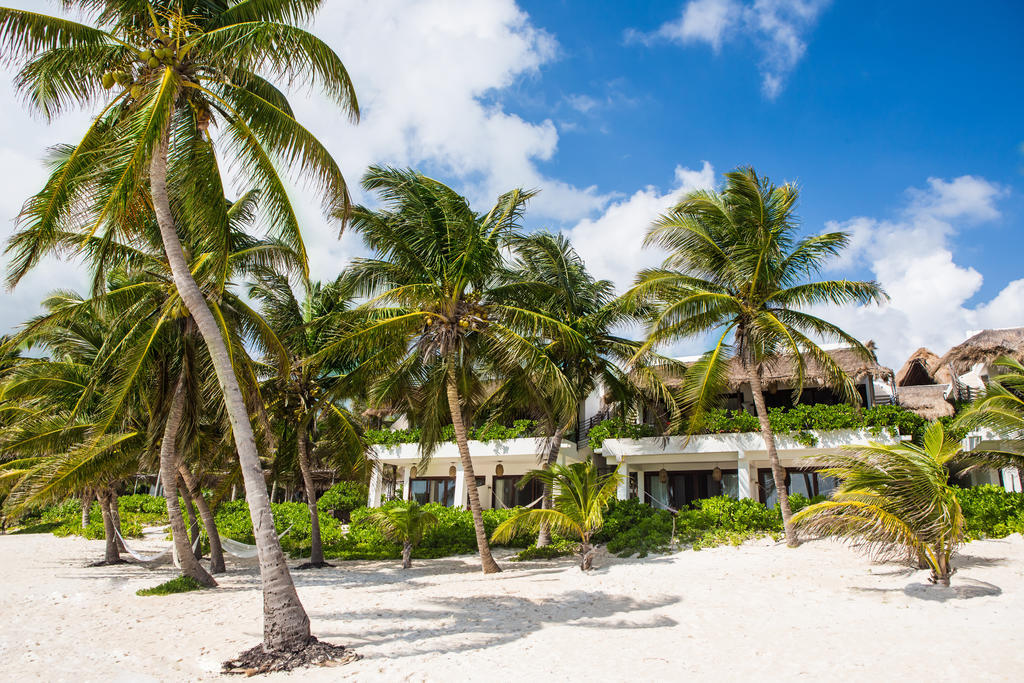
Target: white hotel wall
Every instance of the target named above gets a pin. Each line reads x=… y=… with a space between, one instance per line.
x=743 y=452
x=516 y=456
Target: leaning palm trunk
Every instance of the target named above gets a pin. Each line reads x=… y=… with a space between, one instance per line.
x=544 y=533
x=316 y=551
x=115 y=517
x=778 y=471
x=169 y=478
x=111 y=554
x=406 y=555
x=209 y=523
x=285 y=623
x=487 y=562
x=193 y=521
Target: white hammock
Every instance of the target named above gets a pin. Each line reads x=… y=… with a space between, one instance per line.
x=244 y=550
x=156 y=559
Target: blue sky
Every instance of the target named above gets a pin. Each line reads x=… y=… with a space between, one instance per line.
x=900 y=125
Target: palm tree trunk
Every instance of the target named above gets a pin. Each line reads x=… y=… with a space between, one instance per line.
x=778 y=471
x=111 y=554
x=87 y=497
x=285 y=623
x=316 y=551
x=544 y=532
x=406 y=555
x=115 y=517
x=205 y=514
x=193 y=522
x=487 y=562
x=169 y=478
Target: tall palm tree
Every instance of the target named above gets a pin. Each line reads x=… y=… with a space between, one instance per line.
x=581 y=499
x=174 y=68
x=568 y=293
x=895 y=500
x=307 y=390
x=441 y=320
x=404 y=522
x=737 y=269
x=1000 y=407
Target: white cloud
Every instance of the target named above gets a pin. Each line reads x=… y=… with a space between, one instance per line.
x=914 y=259
x=776 y=27
x=612 y=243
x=429 y=75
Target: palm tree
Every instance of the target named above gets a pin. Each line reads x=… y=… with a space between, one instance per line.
x=404 y=522
x=441 y=320
x=568 y=293
x=180 y=66
x=1000 y=407
x=307 y=390
x=737 y=269
x=582 y=495
x=895 y=501
x=57 y=447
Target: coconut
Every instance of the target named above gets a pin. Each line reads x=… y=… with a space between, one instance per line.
x=153 y=62
x=136 y=92
x=108 y=81
x=146 y=55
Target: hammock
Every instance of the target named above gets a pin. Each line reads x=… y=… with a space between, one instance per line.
x=244 y=550
x=155 y=559
x=527 y=506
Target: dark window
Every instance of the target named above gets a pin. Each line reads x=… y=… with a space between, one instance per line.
x=425 y=490
x=680 y=489
x=803 y=481
x=505 y=492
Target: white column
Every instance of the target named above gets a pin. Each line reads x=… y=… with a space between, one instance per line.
x=743 y=475
x=623 y=490
x=406 y=482
x=460 y=487
x=373 y=500
x=641 y=485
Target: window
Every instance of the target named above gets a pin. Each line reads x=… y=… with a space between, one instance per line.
x=433 y=490
x=505 y=492
x=803 y=481
x=681 y=489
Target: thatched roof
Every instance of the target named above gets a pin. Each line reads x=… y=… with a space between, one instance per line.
x=985 y=347
x=927 y=400
x=783 y=372
x=923 y=367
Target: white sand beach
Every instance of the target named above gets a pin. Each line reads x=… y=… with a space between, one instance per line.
x=758 y=611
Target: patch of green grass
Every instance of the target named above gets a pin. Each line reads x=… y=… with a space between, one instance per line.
x=181 y=584
x=37 y=528
x=558 y=548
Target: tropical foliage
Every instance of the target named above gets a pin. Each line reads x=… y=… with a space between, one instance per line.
x=405 y=524
x=581 y=496
x=895 y=502
x=738 y=270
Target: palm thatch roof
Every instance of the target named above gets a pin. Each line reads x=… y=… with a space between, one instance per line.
x=923 y=367
x=927 y=400
x=783 y=373
x=985 y=347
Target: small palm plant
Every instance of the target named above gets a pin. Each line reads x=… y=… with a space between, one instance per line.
x=895 y=500
x=404 y=523
x=1000 y=407
x=581 y=497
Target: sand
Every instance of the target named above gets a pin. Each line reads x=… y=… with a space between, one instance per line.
x=760 y=611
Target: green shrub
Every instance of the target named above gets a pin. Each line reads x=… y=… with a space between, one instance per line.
x=617 y=428
x=453 y=534
x=991 y=512
x=487 y=432
x=797 y=421
x=142 y=503
x=234 y=522
x=558 y=548
x=343 y=498
x=181 y=584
